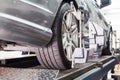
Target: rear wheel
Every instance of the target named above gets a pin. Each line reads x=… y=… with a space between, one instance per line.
x=107 y=49
x=58 y=53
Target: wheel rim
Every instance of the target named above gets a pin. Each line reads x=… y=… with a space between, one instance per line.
x=69 y=34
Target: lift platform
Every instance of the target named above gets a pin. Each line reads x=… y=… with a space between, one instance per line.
x=92 y=70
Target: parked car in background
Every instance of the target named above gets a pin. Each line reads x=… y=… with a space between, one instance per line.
x=52 y=28
x=117 y=51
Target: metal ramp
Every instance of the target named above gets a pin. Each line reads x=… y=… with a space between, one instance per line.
x=93 y=70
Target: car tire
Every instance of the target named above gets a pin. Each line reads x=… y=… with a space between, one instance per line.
x=106 y=49
x=54 y=55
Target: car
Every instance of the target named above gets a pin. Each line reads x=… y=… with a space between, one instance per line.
x=117 y=51
x=52 y=28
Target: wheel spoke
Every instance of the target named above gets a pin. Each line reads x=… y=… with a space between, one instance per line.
x=74 y=44
x=69 y=51
x=65 y=28
x=65 y=41
x=69 y=20
x=73 y=29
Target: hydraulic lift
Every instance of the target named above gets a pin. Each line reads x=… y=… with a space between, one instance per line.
x=92 y=70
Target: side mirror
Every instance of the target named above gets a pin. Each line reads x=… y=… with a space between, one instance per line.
x=105 y=3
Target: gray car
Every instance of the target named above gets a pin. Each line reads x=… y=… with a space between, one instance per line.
x=50 y=28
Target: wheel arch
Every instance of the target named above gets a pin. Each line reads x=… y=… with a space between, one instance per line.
x=58 y=10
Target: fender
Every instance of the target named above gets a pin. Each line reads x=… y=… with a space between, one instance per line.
x=27 y=22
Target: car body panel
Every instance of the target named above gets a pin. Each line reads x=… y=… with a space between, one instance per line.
x=95 y=16
x=27 y=21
